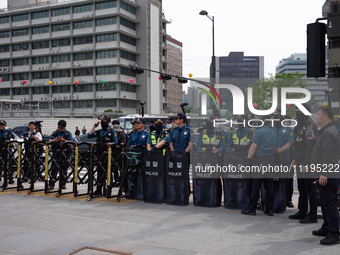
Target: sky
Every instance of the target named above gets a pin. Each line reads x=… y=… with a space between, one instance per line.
x=270 y=28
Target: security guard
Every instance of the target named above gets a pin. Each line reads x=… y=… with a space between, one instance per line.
x=210 y=139
x=180 y=137
x=105 y=136
x=301 y=157
x=5 y=136
x=156 y=136
x=264 y=142
x=240 y=138
x=60 y=135
x=285 y=138
x=140 y=136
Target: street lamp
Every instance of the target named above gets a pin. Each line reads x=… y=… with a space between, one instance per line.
x=213 y=66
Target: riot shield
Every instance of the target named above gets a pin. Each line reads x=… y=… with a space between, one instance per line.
x=153 y=178
x=207 y=191
x=177 y=178
x=236 y=186
x=279 y=189
x=135 y=179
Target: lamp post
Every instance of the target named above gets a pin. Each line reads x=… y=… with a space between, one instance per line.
x=213 y=66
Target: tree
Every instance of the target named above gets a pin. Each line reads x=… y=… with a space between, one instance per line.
x=263 y=90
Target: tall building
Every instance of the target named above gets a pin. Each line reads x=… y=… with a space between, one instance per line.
x=194 y=98
x=174 y=64
x=298 y=62
x=89 y=42
x=238 y=70
x=185 y=97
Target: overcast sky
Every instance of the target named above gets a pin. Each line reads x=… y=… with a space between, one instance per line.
x=270 y=28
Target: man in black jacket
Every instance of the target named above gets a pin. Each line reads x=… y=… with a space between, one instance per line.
x=301 y=158
x=326 y=153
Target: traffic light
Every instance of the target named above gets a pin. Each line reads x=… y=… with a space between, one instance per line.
x=166 y=77
x=181 y=80
x=137 y=70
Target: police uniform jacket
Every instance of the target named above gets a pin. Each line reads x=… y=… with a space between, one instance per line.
x=180 y=137
x=138 y=138
x=266 y=141
x=240 y=136
x=6 y=134
x=105 y=135
x=216 y=136
x=285 y=135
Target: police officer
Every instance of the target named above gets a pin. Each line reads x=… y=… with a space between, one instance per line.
x=5 y=136
x=301 y=158
x=60 y=135
x=32 y=136
x=284 y=141
x=139 y=137
x=105 y=136
x=264 y=141
x=210 y=140
x=180 y=137
x=155 y=137
x=326 y=152
x=278 y=118
x=240 y=138
x=170 y=120
x=118 y=148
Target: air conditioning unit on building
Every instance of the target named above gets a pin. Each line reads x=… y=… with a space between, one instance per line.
x=79 y=65
x=25 y=54
x=75 y=97
x=56 y=82
x=6 y=69
x=58 y=19
x=91 y=15
x=99 y=96
x=51 y=51
x=74 y=65
x=67 y=97
x=42 y=98
x=61 y=97
x=1 y=69
x=23 y=99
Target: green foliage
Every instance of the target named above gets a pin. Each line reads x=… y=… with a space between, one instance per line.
x=109 y=110
x=118 y=111
x=262 y=90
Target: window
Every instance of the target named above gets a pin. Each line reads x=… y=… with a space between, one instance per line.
x=61 y=11
x=83 y=8
x=61 y=58
x=6 y=77
x=40 y=30
x=61 y=27
x=61 y=89
x=40 y=45
x=128 y=87
x=106 y=103
x=4 y=20
x=21 y=46
x=126 y=71
x=127 y=55
x=4 y=34
x=61 y=42
x=127 y=7
x=83 y=72
x=127 y=103
x=82 y=56
x=20 y=17
x=4 y=48
x=106 y=70
x=20 y=32
x=20 y=91
x=5 y=92
x=61 y=73
x=106 y=54
x=127 y=39
x=83 y=88
x=127 y=23
x=41 y=90
x=106 y=5
x=108 y=86
x=41 y=75
x=106 y=37
x=106 y=21
x=40 y=60
x=20 y=62
x=61 y=104
x=83 y=104
x=4 y=62
x=44 y=105
x=83 y=40
x=82 y=24
x=40 y=15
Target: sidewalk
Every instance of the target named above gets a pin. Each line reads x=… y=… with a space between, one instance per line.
x=48 y=225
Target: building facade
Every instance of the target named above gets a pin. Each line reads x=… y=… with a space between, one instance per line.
x=298 y=62
x=85 y=48
x=174 y=67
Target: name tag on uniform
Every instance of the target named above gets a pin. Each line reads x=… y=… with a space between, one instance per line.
x=215 y=140
x=246 y=140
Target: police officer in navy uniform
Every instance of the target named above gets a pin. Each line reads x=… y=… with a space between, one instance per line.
x=118 y=148
x=60 y=135
x=180 y=137
x=5 y=136
x=140 y=135
x=105 y=136
x=301 y=158
x=264 y=142
x=284 y=139
x=240 y=138
x=326 y=152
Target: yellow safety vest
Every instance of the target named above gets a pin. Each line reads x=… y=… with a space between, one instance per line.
x=207 y=141
x=242 y=145
x=154 y=141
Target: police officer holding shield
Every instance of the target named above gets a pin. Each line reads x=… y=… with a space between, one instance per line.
x=264 y=141
x=5 y=136
x=181 y=135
